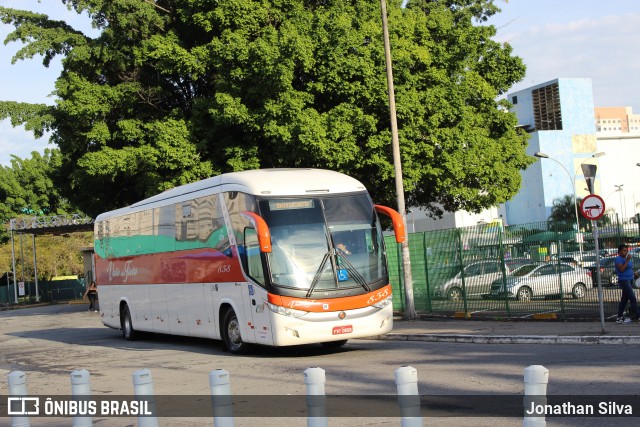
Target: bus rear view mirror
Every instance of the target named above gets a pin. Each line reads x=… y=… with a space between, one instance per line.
x=262 y=229
x=396 y=220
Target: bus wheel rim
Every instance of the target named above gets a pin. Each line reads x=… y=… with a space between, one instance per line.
x=234 y=332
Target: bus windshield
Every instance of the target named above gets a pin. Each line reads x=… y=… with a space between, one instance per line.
x=324 y=243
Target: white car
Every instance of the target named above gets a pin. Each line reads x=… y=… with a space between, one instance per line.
x=582 y=260
x=474 y=280
x=541 y=280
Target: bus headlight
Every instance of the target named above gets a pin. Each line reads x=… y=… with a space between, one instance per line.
x=383 y=303
x=284 y=311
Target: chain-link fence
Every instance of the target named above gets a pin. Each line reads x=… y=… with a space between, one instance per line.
x=48 y=291
x=541 y=269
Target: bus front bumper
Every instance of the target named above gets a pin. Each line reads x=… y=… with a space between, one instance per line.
x=326 y=327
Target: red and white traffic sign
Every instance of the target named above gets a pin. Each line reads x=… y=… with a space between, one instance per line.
x=592 y=207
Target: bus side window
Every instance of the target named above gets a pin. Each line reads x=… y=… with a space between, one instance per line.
x=251 y=258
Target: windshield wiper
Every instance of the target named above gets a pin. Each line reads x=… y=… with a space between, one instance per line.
x=357 y=277
x=316 y=278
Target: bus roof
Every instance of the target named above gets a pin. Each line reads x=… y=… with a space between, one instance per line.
x=265 y=182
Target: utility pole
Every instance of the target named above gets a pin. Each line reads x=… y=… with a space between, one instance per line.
x=409 y=310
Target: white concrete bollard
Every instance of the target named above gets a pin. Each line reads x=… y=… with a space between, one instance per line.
x=314 y=378
x=18 y=387
x=220 y=385
x=407 y=383
x=143 y=388
x=536 y=378
x=81 y=389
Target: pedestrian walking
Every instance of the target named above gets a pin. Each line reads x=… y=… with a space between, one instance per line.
x=92 y=294
x=626 y=277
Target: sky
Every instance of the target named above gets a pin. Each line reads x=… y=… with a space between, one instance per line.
x=556 y=39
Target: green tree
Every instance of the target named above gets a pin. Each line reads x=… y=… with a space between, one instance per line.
x=563 y=214
x=27 y=188
x=56 y=255
x=173 y=91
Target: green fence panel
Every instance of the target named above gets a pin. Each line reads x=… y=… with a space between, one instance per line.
x=6 y=294
x=394 y=258
x=493 y=271
x=61 y=290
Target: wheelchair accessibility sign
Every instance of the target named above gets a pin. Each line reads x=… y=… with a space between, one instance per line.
x=343 y=275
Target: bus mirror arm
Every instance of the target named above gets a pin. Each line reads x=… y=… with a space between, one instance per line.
x=396 y=220
x=262 y=230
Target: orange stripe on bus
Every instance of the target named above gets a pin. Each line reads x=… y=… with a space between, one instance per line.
x=332 y=304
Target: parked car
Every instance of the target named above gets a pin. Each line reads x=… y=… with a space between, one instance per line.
x=514 y=263
x=475 y=281
x=608 y=273
x=588 y=259
x=581 y=260
x=542 y=280
x=570 y=258
x=608 y=252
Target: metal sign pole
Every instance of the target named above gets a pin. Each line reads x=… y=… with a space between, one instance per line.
x=13 y=265
x=589 y=172
x=598 y=277
x=35 y=268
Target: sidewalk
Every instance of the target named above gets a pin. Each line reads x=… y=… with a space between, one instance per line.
x=441 y=329
x=513 y=332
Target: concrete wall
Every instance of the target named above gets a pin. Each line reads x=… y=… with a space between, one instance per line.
x=617 y=167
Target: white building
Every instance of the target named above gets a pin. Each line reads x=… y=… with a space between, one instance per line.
x=563 y=124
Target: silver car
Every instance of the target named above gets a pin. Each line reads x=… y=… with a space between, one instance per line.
x=541 y=280
x=474 y=280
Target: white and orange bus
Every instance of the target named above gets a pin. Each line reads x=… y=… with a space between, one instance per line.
x=275 y=257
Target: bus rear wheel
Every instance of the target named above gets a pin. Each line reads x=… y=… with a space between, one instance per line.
x=231 y=333
x=128 y=333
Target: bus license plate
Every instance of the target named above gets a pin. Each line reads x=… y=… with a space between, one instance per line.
x=342 y=330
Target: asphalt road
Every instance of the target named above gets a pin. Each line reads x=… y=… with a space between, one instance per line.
x=50 y=342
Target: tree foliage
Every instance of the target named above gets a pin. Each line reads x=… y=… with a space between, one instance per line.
x=563 y=215
x=173 y=91
x=27 y=188
x=56 y=255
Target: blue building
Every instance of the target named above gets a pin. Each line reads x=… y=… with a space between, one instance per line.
x=559 y=117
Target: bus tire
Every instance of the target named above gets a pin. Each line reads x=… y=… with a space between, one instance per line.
x=334 y=344
x=128 y=333
x=231 y=333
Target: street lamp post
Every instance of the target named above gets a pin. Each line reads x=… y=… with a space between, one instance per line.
x=541 y=155
x=635 y=206
x=619 y=190
x=413 y=222
x=595 y=231
x=409 y=311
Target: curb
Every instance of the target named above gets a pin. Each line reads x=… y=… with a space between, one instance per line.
x=509 y=339
x=4 y=307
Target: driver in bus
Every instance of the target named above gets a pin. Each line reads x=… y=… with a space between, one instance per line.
x=341 y=247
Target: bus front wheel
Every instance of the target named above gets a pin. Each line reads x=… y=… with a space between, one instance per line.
x=128 y=333
x=231 y=333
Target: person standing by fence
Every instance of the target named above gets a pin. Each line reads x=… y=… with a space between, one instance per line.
x=626 y=276
x=92 y=294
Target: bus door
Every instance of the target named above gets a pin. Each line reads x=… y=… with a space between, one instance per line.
x=255 y=293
